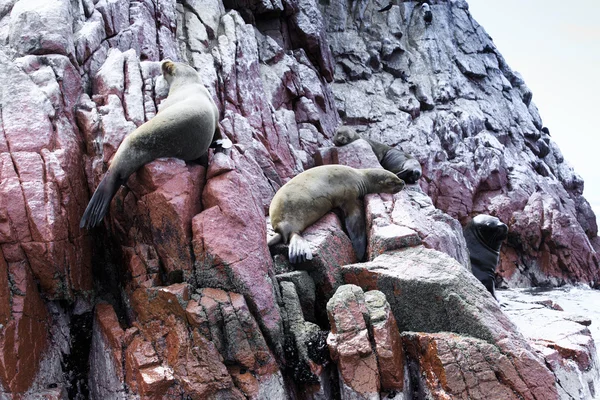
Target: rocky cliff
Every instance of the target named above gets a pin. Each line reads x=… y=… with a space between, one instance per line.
x=177 y=294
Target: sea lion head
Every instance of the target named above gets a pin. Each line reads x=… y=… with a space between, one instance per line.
x=175 y=70
x=490 y=231
x=345 y=135
x=382 y=181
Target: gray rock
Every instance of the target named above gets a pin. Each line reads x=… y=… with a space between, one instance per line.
x=42 y=27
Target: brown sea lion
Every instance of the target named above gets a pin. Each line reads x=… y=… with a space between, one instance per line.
x=484 y=236
x=184 y=127
x=313 y=193
x=395 y=160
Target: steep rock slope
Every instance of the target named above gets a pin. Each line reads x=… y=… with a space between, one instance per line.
x=149 y=304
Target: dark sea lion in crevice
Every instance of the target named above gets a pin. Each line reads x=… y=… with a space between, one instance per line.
x=310 y=195
x=484 y=235
x=184 y=127
x=395 y=160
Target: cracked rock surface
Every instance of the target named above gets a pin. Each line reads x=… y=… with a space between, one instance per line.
x=177 y=295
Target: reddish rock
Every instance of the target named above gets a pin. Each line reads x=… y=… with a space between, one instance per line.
x=563 y=339
x=23 y=335
x=231 y=250
x=168 y=193
x=388 y=346
x=461 y=367
x=430 y=292
x=188 y=359
x=349 y=344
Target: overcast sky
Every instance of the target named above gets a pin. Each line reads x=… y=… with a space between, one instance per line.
x=555 y=45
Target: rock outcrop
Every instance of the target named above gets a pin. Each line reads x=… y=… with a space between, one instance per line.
x=177 y=295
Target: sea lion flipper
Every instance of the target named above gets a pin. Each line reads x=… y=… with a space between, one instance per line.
x=355 y=226
x=274 y=240
x=299 y=250
x=100 y=201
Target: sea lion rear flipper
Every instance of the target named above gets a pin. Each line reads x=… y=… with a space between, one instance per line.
x=355 y=226
x=98 y=205
x=274 y=240
x=299 y=250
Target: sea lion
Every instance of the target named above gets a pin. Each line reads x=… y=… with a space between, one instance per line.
x=395 y=160
x=427 y=15
x=484 y=236
x=313 y=193
x=184 y=127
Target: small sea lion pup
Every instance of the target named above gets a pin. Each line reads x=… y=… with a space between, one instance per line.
x=183 y=128
x=395 y=160
x=313 y=193
x=484 y=236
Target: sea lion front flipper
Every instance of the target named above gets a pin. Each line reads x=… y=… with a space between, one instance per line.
x=355 y=226
x=299 y=250
x=100 y=201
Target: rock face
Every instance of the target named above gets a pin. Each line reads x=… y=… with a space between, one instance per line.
x=176 y=294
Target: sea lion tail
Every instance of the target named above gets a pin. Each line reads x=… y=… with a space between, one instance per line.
x=98 y=205
x=299 y=250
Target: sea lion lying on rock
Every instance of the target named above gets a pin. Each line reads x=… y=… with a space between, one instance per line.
x=184 y=127
x=395 y=160
x=484 y=236
x=313 y=193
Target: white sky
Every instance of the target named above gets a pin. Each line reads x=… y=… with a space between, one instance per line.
x=555 y=45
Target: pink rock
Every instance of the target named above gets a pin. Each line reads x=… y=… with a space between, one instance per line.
x=231 y=250
x=349 y=344
x=478 y=371
x=24 y=335
x=419 y=281
x=388 y=345
x=189 y=360
x=115 y=14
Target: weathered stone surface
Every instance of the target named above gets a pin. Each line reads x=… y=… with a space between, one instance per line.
x=230 y=247
x=562 y=338
x=78 y=76
x=465 y=368
x=350 y=346
x=430 y=292
x=388 y=346
x=444 y=93
x=42 y=27
x=106 y=364
x=365 y=343
x=188 y=360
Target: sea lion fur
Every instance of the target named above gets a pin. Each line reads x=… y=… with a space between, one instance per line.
x=184 y=127
x=405 y=166
x=484 y=235
x=310 y=195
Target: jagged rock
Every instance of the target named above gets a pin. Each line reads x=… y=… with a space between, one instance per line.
x=224 y=318
x=310 y=375
x=350 y=346
x=23 y=335
x=364 y=343
x=232 y=260
x=106 y=364
x=563 y=339
x=78 y=76
x=463 y=367
x=306 y=290
x=189 y=361
x=430 y=292
x=41 y=27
